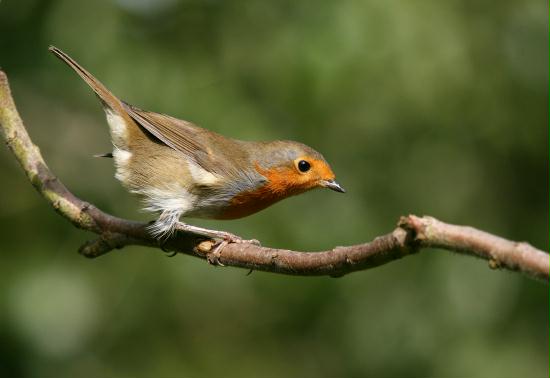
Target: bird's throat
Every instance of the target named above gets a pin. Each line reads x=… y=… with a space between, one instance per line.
x=279 y=185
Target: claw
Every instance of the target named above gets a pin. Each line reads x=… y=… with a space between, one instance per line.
x=213 y=258
x=167 y=251
x=230 y=238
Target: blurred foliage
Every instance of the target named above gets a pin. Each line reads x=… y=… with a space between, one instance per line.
x=427 y=107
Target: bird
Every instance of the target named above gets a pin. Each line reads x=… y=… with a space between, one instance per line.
x=182 y=170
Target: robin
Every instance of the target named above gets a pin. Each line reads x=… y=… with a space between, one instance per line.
x=180 y=169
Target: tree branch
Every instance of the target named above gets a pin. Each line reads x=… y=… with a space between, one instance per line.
x=412 y=234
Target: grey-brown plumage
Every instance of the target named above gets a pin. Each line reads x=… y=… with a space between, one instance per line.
x=182 y=169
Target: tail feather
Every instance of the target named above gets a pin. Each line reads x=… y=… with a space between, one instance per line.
x=103 y=93
x=124 y=131
x=105 y=155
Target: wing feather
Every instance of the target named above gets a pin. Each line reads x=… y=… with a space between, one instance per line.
x=181 y=135
x=224 y=157
x=194 y=142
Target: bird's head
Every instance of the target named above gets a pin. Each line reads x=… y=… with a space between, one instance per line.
x=293 y=168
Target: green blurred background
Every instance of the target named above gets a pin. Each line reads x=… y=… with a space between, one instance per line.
x=426 y=107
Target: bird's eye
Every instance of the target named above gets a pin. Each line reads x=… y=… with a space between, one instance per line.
x=303 y=166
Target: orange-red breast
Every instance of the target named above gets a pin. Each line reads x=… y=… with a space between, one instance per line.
x=180 y=169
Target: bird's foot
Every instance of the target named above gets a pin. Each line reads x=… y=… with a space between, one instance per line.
x=228 y=238
x=224 y=237
x=231 y=238
x=213 y=257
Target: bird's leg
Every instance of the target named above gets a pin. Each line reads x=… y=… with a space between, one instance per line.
x=226 y=238
x=214 y=234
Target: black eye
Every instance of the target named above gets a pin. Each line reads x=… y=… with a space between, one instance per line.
x=303 y=166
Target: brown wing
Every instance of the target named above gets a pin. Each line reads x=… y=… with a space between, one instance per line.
x=176 y=133
x=212 y=151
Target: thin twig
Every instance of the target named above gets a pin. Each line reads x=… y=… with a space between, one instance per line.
x=412 y=234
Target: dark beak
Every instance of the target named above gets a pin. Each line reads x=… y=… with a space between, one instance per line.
x=331 y=184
